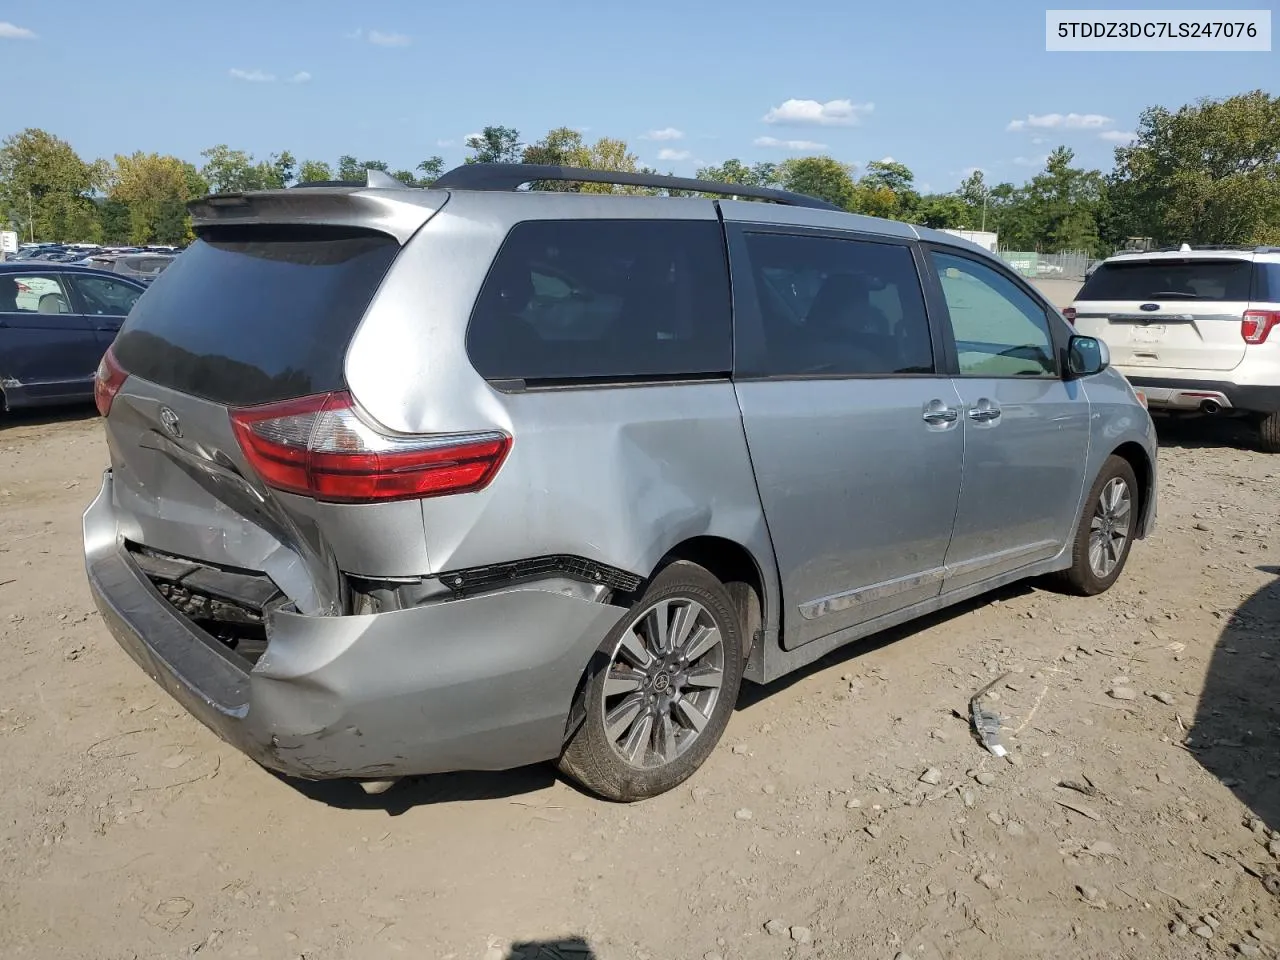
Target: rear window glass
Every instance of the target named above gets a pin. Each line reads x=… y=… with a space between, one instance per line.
x=606 y=301
x=254 y=315
x=1169 y=280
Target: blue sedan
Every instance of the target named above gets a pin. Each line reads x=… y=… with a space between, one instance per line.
x=56 y=322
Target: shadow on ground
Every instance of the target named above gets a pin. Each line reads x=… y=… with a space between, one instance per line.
x=753 y=694
x=1191 y=433
x=42 y=416
x=1236 y=735
x=573 y=948
x=428 y=790
x=458 y=787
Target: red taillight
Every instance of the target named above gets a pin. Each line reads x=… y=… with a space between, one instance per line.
x=1258 y=324
x=319 y=447
x=1070 y=314
x=107 y=382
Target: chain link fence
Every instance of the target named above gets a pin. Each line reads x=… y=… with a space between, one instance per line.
x=1049 y=266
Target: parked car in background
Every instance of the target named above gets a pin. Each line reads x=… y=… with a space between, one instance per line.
x=1194 y=328
x=406 y=481
x=56 y=321
x=143 y=267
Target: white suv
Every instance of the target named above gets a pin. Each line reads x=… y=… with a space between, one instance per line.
x=1193 y=329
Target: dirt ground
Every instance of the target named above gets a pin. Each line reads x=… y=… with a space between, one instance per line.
x=127 y=830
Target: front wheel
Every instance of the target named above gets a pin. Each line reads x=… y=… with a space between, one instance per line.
x=656 y=709
x=1106 y=529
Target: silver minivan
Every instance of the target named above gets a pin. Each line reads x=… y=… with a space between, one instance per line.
x=406 y=481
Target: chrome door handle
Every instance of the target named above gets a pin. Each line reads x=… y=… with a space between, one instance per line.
x=984 y=411
x=936 y=412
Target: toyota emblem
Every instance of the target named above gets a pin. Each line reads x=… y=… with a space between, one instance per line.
x=169 y=420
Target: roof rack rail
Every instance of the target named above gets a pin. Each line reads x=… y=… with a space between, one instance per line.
x=1241 y=247
x=512 y=176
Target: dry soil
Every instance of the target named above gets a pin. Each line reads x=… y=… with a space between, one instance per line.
x=128 y=830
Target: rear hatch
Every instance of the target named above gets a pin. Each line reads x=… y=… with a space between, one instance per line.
x=258 y=311
x=1175 y=312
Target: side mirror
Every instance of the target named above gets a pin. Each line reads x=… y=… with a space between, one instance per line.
x=1087 y=356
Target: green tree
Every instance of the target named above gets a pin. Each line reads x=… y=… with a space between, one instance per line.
x=823 y=177
x=431 y=169
x=314 y=171
x=1208 y=172
x=495 y=145
x=115 y=221
x=606 y=153
x=941 y=211
x=561 y=147
x=887 y=189
x=45 y=188
x=155 y=189
x=735 y=171
x=349 y=168
x=229 y=171
x=1058 y=210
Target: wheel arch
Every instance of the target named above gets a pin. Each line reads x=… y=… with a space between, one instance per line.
x=1134 y=454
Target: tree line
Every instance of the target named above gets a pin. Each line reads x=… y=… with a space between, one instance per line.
x=1206 y=172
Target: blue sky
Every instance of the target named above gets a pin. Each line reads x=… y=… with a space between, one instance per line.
x=940 y=86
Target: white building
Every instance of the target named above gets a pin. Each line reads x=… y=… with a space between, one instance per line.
x=982 y=238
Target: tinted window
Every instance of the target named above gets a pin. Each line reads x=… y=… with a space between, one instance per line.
x=26 y=293
x=1266 y=282
x=256 y=314
x=1000 y=331
x=839 y=307
x=1191 y=279
x=604 y=300
x=103 y=297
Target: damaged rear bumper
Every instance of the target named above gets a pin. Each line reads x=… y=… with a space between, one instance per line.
x=482 y=683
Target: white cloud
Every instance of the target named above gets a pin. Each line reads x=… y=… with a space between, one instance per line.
x=1036 y=162
x=1037 y=141
x=970 y=171
x=833 y=113
x=11 y=31
x=472 y=136
x=1124 y=137
x=666 y=133
x=669 y=154
x=887 y=159
x=300 y=77
x=252 y=76
x=1060 y=121
x=445 y=143
x=789 y=144
x=378 y=38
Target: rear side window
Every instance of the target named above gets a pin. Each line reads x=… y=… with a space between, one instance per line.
x=1266 y=282
x=21 y=293
x=1167 y=279
x=606 y=301
x=833 y=307
x=256 y=314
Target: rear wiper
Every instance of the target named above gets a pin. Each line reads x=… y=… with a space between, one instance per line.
x=1180 y=294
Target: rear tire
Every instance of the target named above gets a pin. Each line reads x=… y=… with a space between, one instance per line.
x=1105 y=531
x=664 y=691
x=1269 y=433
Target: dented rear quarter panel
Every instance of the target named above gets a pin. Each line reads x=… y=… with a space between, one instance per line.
x=617 y=474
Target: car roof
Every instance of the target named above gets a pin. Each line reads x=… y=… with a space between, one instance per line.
x=50 y=266
x=1195 y=253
